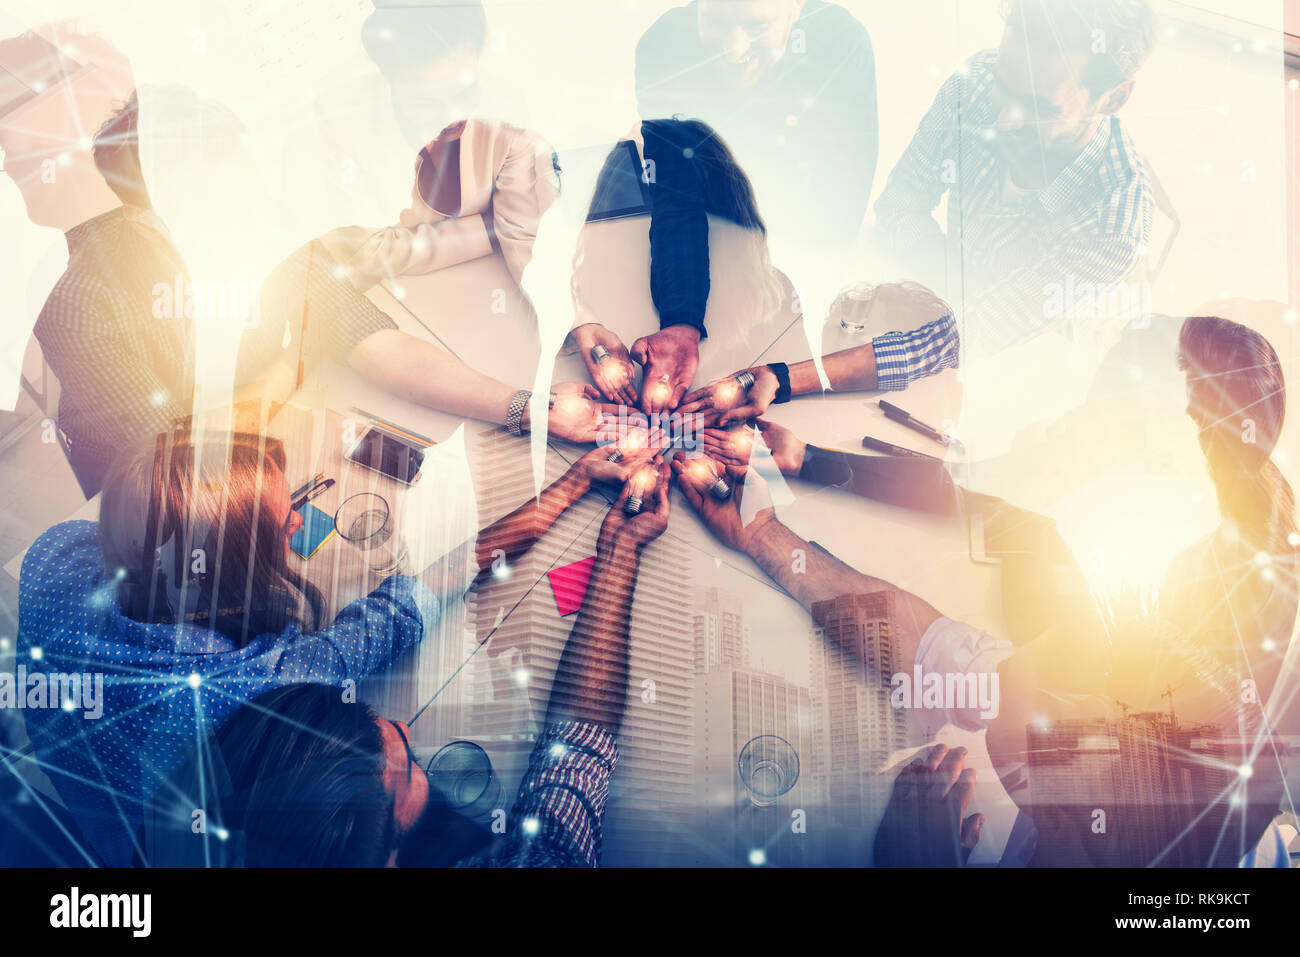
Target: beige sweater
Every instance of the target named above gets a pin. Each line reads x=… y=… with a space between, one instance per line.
x=505 y=171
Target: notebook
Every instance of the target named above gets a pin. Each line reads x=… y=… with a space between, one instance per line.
x=317 y=527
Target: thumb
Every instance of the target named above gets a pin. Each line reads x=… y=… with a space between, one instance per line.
x=970 y=831
x=736 y=415
x=763 y=424
x=640 y=351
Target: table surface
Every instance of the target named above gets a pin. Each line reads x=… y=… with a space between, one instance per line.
x=453 y=686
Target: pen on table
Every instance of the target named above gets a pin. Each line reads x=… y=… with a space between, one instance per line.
x=876 y=445
x=316 y=490
x=307 y=486
x=905 y=418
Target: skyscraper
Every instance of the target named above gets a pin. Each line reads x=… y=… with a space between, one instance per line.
x=721 y=635
x=853 y=659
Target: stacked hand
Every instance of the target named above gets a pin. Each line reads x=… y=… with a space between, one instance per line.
x=736 y=519
x=670 y=358
x=578 y=412
x=615 y=376
x=734 y=446
x=649 y=523
x=725 y=401
x=597 y=467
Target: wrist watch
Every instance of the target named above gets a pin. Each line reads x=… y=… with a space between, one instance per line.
x=515 y=412
x=782 y=373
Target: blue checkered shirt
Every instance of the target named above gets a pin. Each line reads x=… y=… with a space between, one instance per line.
x=904 y=357
x=1090 y=226
x=556 y=820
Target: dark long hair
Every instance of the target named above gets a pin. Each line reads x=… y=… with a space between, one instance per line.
x=727 y=190
x=305 y=780
x=187 y=531
x=1238 y=397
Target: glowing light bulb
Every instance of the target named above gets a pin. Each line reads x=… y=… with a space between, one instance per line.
x=661 y=390
x=634 y=440
x=726 y=391
x=743 y=442
x=640 y=485
x=706 y=473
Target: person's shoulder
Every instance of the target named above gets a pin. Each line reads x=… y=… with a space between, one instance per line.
x=1124 y=166
x=516 y=139
x=980 y=66
x=75 y=294
x=69 y=549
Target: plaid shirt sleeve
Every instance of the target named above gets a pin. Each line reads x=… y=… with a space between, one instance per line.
x=904 y=357
x=905 y=207
x=556 y=820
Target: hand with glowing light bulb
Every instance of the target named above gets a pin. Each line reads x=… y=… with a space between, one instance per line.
x=607 y=361
x=670 y=358
x=738 y=517
x=637 y=526
x=576 y=412
x=734 y=446
x=598 y=465
x=736 y=398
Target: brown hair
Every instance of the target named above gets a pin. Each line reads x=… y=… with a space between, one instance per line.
x=1239 y=399
x=187 y=531
x=1118 y=34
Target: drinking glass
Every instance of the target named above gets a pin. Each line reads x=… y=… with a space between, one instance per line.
x=461 y=772
x=365 y=521
x=769 y=767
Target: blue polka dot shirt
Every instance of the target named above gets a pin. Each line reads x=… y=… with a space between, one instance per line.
x=166 y=687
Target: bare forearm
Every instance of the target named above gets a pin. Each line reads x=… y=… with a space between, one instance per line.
x=813 y=575
x=510 y=537
x=419 y=371
x=850 y=370
x=591 y=679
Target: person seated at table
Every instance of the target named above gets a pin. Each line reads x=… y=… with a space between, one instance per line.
x=312 y=780
x=691 y=175
x=1043 y=182
x=889 y=362
x=183 y=598
x=126 y=366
